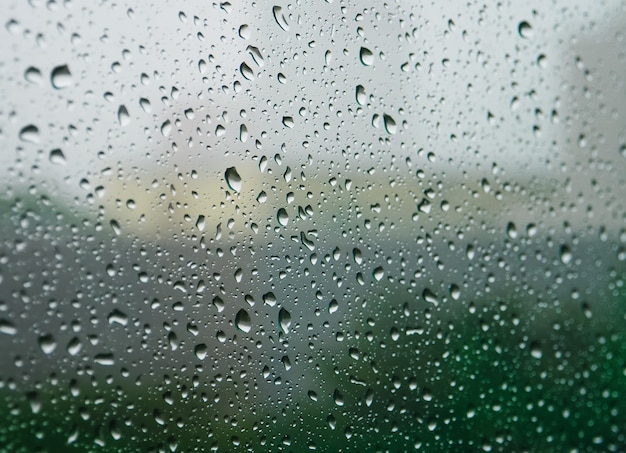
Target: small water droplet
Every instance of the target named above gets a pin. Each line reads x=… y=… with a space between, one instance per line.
x=246 y=71
x=378 y=273
x=288 y=122
x=233 y=179
x=104 y=359
x=61 y=77
x=511 y=230
x=244 y=31
x=366 y=56
x=166 y=128
x=243 y=321
x=361 y=98
x=455 y=291
x=430 y=297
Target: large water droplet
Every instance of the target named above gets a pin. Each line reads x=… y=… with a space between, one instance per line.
x=279 y=17
x=284 y=319
x=233 y=179
x=29 y=134
x=361 y=98
x=57 y=157
x=47 y=343
x=122 y=116
x=243 y=321
x=525 y=30
x=200 y=351
x=366 y=56
x=390 y=124
x=61 y=77
x=269 y=299
x=283 y=217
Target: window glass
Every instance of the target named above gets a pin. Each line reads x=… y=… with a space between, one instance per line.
x=330 y=225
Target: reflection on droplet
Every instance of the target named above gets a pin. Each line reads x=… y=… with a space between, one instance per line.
x=366 y=56
x=243 y=321
x=284 y=320
x=61 y=77
x=233 y=179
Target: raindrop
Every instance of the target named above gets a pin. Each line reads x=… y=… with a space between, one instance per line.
x=29 y=134
x=246 y=71
x=233 y=179
x=269 y=299
x=122 y=116
x=282 y=217
x=430 y=297
x=200 y=351
x=47 y=343
x=166 y=128
x=511 y=231
x=366 y=56
x=33 y=75
x=284 y=319
x=390 y=124
x=243 y=321
x=525 y=30
x=455 y=291
x=61 y=77
x=104 y=359
x=279 y=17
x=361 y=98
x=565 y=254
x=288 y=122
x=7 y=327
x=57 y=157
x=378 y=273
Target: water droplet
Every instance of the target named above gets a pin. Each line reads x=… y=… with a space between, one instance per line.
x=104 y=359
x=243 y=321
x=535 y=350
x=200 y=351
x=33 y=75
x=279 y=17
x=246 y=71
x=166 y=128
x=284 y=319
x=338 y=397
x=357 y=256
x=288 y=122
x=122 y=116
x=511 y=231
x=47 y=343
x=29 y=134
x=378 y=273
x=525 y=30
x=361 y=98
x=200 y=223
x=244 y=31
x=269 y=299
x=282 y=217
x=7 y=327
x=390 y=124
x=57 y=157
x=233 y=179
x=117 y=317
x=565 y=254
x=430 y=297
x=61 y=77
x=455 y=291
x=74 y=346
x=366 y=56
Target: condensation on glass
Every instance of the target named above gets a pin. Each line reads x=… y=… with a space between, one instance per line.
x=332 y=226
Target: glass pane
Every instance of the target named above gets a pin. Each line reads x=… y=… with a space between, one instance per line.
x=333 y=226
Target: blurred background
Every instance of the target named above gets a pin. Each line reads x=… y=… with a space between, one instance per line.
x=334 y=226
